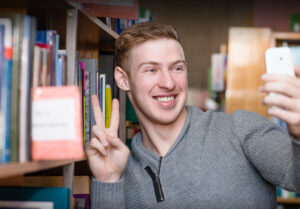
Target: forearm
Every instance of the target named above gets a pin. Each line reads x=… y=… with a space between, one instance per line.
x=107 y=195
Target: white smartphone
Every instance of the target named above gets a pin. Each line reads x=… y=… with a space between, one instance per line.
x=279 y=60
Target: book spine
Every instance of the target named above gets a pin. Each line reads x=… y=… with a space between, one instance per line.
x=6 y=83
x=25 y=88
x=108 y=105
x=87 y=107
x=14 y=128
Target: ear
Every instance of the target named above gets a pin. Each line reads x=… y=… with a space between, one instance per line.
x=121 y=78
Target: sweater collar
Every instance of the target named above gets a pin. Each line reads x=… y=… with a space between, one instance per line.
x=146 y=157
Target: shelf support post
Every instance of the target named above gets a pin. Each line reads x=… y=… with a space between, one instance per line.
x=71 y=37
x=68 y=178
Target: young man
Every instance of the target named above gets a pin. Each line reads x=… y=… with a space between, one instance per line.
x=183 y=157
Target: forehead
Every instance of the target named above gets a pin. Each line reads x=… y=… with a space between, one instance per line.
x=160 y=51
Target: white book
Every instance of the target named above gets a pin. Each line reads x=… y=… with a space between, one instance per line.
x=26 y=204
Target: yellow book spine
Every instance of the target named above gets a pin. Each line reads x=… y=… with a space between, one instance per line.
x=108 y=105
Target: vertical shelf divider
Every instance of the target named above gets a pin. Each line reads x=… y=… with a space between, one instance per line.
x=68 y=178
x=71 y=40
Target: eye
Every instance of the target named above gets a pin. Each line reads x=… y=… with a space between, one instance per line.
x=150 y=70
x=178 y=68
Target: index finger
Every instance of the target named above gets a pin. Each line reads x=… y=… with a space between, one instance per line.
x=280 y=78
x=97 y=111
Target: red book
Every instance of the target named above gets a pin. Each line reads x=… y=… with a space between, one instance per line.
x=56 y=123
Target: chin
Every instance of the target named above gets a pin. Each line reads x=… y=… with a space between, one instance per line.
x=167 y=118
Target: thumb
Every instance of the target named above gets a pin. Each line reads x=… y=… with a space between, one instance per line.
x=297 y=71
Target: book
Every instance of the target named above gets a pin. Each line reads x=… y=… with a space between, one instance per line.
x=82 y=201
x=218 y=67
x=15 y=95
x=91 y=67
x=102 y=92
x=61 y=68
x=26 y=205
x=108 y=105
x=49 y=37
x=60 y=196
x=6 y=89
x=87 y=106
x=114 y=9
x=56 y=123
x=106 y=66
x=1 y=88
x=29 y=28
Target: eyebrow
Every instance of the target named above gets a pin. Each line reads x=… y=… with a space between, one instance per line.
x=156 y=63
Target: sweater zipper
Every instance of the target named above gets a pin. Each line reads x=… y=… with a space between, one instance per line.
x=156 y=182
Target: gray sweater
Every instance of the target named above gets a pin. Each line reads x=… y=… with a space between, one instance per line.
x=219 y=160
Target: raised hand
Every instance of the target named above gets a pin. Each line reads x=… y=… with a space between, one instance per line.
x=107 y=154
x=288 y=98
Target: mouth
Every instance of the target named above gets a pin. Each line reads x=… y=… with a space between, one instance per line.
x=166 y=99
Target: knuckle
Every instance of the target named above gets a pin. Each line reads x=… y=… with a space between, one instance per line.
x=94 y=129
x=296 y=120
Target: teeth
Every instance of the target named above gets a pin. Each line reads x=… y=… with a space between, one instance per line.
x=165 y=99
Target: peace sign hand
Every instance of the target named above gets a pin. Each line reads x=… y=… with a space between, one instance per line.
x=107 y=154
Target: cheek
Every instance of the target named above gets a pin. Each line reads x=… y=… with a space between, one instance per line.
x=182 y=82
x=142 y=87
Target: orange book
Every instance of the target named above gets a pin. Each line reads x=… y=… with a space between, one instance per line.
x=56 y=123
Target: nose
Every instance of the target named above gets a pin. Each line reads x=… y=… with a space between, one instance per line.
x=166 y=80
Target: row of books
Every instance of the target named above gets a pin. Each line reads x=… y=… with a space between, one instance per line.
x=119 y=24
x=41 y=118
x=96 y=82
x=282 y=193
x=28 y=59
x=17 y=39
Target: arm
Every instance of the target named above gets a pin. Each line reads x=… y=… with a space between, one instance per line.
x=107 y=158
x=269 y=149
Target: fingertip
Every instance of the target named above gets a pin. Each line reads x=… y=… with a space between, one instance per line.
x=115 y=102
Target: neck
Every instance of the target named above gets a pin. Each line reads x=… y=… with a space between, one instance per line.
x=159 y=138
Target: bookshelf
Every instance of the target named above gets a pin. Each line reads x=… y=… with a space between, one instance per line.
x=79 y=31
x=288 y=200
x=14 y=169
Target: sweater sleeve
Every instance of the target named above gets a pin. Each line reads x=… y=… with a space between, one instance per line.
x=270 y=149
x=107 y=195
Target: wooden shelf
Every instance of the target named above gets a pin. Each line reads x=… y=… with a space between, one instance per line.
x=98 y=22
x=295 y=200
x=14 y=169
x=291 y=38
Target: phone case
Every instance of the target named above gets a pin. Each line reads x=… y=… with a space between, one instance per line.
x=279 y=60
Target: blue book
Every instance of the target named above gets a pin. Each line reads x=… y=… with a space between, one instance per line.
x=6 y=88
x=60 y=196
x=58 y=72
x=100 y=84
x=118 y=26
x=49 y=37
x=1 y=56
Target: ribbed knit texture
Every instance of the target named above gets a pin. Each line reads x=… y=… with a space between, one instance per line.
x=218 y=161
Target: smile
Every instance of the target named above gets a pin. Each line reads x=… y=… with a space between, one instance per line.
x=165 y=99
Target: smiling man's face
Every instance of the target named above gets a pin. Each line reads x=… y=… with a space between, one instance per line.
x=158 y=81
